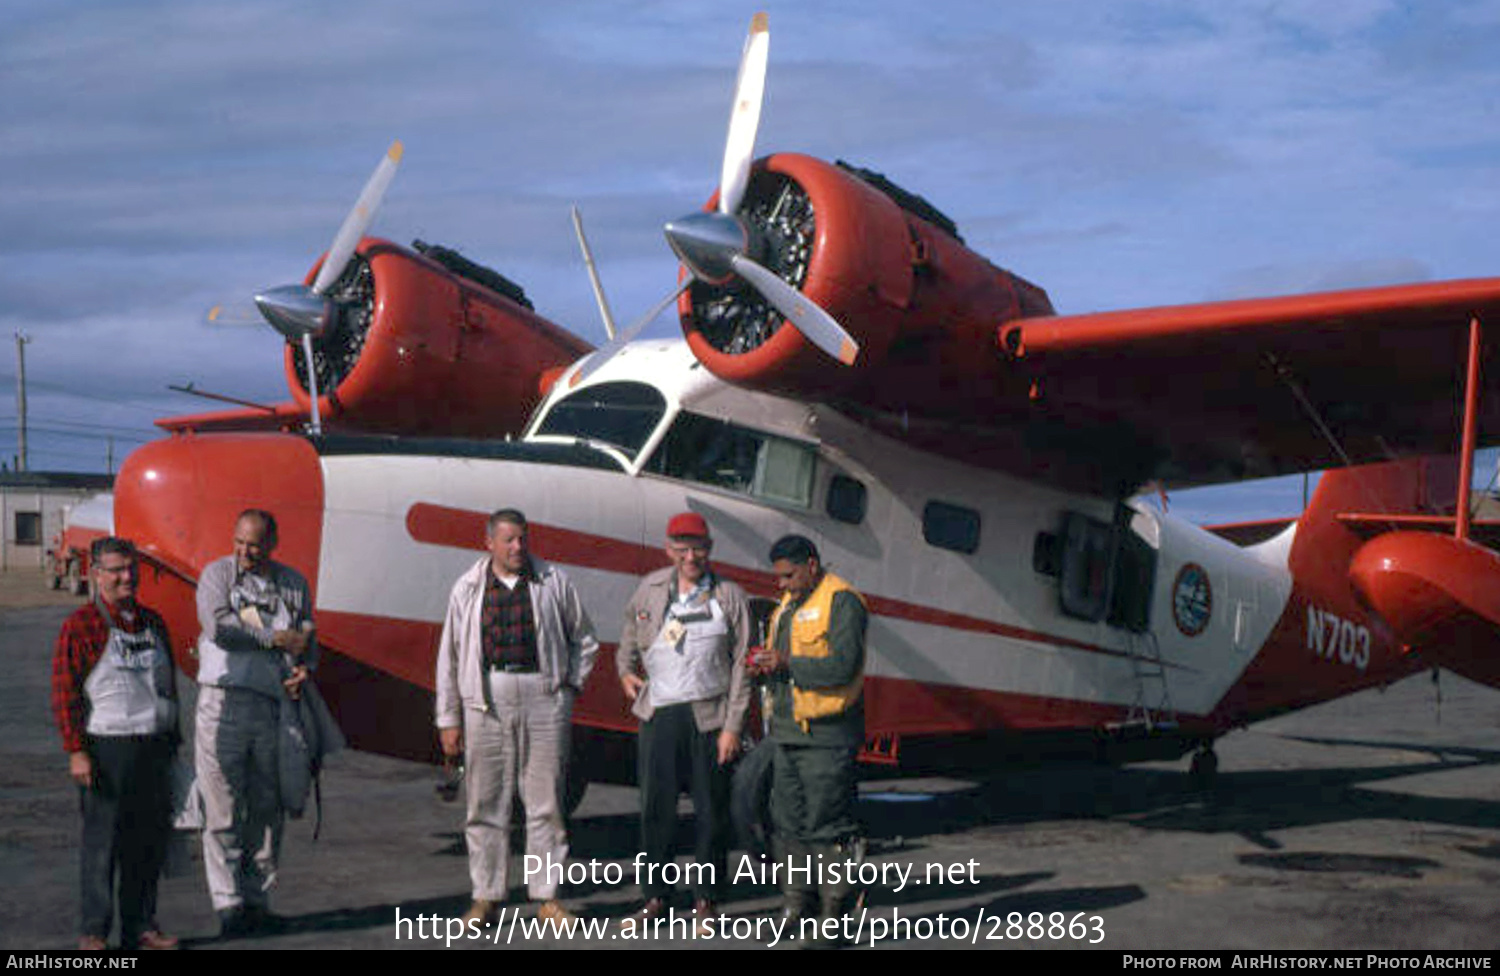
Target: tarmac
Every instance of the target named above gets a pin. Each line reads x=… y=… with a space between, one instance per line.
x=1371 y=822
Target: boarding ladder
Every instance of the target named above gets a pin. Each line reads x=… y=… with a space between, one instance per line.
x=1152 y=709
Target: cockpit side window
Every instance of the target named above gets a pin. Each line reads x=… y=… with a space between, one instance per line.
x=621 y=414
x=715 y=452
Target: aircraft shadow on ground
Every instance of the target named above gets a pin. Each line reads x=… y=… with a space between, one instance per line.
x=348 y=919
x=1056 y=908
x=1252 y=803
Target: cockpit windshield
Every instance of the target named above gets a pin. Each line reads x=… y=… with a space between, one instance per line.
x=621 y=414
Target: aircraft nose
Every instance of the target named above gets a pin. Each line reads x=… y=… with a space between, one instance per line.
x=178 y=498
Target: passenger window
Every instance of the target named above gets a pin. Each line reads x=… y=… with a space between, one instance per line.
x=846 y=499
x=950 y=527
x=715 y=452
x=1106 y=572
x=786 y=471
x=1087 y=557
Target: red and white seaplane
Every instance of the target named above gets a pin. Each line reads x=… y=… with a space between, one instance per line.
x=961 y=453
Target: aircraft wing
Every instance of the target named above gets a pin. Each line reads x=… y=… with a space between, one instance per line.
x=280 y=416
x=1244 y=389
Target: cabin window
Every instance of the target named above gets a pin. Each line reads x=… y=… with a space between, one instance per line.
x=715 y=452
x=950 y=527
x=1086 y=564
x=28 y=528
x=846 y=499
x=619 y=414
x=1104 y=572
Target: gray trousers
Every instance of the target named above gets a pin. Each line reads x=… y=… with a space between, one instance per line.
x=235 y=753
x=523 y=743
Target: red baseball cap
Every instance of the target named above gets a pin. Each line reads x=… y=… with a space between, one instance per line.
x=687 y=524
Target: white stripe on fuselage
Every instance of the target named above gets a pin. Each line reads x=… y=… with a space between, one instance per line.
x=372 y=566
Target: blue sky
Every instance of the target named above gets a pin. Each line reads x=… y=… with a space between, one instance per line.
x=159 y=157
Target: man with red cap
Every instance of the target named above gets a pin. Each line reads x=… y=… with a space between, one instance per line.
x=682 y=665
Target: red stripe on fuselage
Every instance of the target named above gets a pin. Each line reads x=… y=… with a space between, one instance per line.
x=400 y=657
x=407 y=650
x=458 y=528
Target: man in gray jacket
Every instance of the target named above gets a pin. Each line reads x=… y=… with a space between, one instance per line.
x=255 y=649
x=682 y=663
x=516 y=649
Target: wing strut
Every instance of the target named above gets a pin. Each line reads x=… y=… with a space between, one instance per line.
x=1471 y=424
x=1284 y=373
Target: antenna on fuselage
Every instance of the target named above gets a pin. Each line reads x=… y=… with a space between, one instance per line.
x=588 y=262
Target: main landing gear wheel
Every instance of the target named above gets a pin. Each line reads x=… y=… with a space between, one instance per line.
x=750 y=799
x=1203 y=772
x=574 y=788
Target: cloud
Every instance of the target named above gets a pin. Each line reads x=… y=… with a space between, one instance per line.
x=162 y=156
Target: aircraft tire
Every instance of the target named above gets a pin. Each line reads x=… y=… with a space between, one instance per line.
x=574 y=789
x=1204 y=769
x=750 y=799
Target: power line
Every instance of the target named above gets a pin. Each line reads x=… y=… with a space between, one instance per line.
x=80 y=435
x=134 y=402
x=110 y=428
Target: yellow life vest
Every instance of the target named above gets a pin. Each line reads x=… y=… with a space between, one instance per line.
x=809 y=639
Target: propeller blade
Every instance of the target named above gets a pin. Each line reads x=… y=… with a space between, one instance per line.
x=816 y=325
x=744 y=117
x=347 y=239
x=233 y=314
x=606 y=352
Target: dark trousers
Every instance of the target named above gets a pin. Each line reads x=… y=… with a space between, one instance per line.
x=126 y=823
x=813 y=793
x=673 y=754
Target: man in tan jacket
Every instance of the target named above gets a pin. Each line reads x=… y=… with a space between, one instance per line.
x=682 y=664
x=516 y=649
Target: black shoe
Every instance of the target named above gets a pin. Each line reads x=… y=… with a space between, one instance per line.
x=261 y=921
x=234 y=923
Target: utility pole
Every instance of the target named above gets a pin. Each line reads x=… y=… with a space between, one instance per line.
x=109 y=458
x=21 y=340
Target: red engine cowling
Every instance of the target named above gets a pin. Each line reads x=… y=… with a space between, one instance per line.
x=420 y=350
x=925 y=309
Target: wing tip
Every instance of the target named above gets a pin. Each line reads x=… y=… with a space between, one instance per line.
x=759 y=23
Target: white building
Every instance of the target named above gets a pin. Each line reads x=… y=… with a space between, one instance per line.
x=32 y=507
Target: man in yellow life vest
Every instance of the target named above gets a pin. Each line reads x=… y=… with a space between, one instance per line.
x=816 y=664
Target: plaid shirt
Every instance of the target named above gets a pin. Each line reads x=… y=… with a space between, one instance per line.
x=507 y=631
x=80 y=645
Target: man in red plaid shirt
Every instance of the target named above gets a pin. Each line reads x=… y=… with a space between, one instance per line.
x=114 y=695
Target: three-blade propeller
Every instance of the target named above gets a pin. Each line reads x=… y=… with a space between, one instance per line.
x=714 y=247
